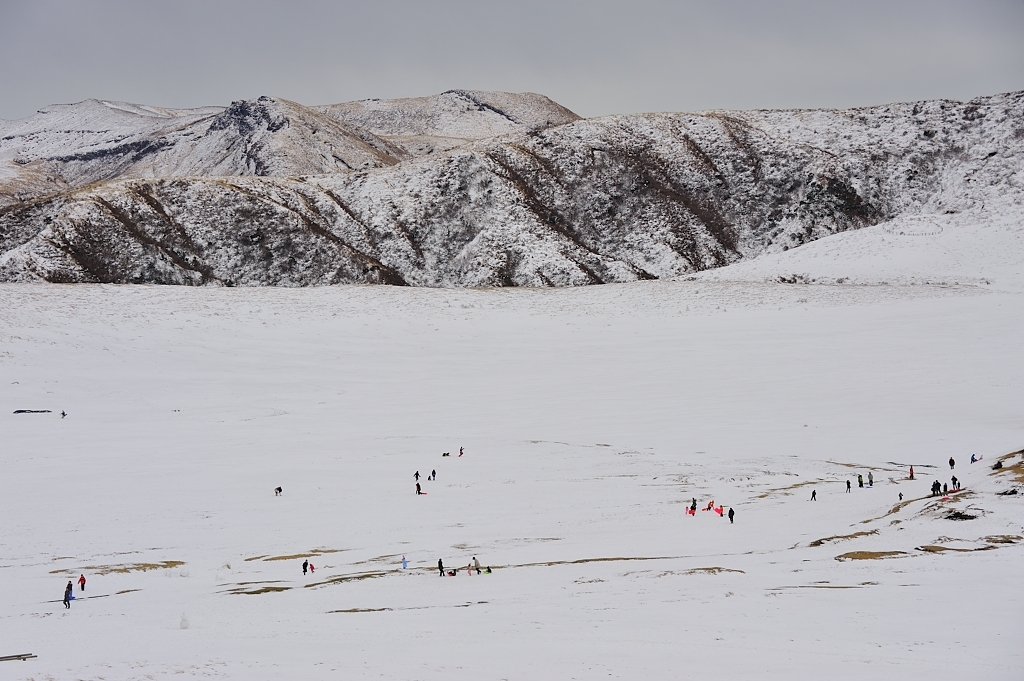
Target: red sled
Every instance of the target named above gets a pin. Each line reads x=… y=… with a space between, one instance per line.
x=691 y=511
x=720 y=510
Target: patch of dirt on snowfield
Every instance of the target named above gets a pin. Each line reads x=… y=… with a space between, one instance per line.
x=1002 y=539
x=312 y=553
x=842 y=537
x=121 y=569
x=262 y=590
x=788 y=490
x=353 y=578
x=934 y=548
x=126 y=591
x=710 y=571
x=1016 y=470
x=870 y=555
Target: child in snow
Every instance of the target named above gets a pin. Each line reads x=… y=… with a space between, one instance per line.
x=418 y=490
x=67 y=595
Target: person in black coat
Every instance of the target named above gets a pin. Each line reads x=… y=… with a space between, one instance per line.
x=440 y=567
x=732 y=514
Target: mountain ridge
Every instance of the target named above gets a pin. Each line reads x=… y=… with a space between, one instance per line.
x=583 y=201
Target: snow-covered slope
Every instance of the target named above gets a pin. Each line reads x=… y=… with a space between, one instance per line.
x=613 y=199
x=67 y=146
x=591 y=418
x=423 y=125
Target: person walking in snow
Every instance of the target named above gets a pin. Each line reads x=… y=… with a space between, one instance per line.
x=860 y=480
x=305 y=566
x=476 y=565
x=416 y=476
x=418 y=490
x=81 y=583
x=405 y=563
x=911 y=472
x=732 y=514
x=901 y=496
x=67 y=595
x=460 y=451
x=433 y=475
x=440 y=567
x=955 y=483
x=814 y=495
x=951 y=463
x=847 y=486
x=871 y=479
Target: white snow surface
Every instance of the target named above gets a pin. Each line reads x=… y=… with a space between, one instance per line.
x=590 y=417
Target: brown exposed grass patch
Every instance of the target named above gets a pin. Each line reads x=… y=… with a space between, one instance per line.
x=1002 y=538
x=121 y=569
x=870 y=555
x=1015 y=470
x=711 y=571
x=350 y=578
x=842 y=537
x=256 y=558
x=362 y=610
x=261 y=590
x=933 y=548
x=787 y=490
x=295 y=556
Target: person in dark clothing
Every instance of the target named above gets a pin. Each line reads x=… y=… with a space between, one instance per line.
x=945 y=489
x=860 y=480
x=67 y=595
x=693 y=507
x=901 y=496
x=416 y=475
x=63 y=413
x=305 y=566
x=847 y=486
x=951 y=463
x=440 y=567
x=732 y=514
x=433 y=475
x=418 y=490
x=814 y=495
x=277 y=491
x=955 y=481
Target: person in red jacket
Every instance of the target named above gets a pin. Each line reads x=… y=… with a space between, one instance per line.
x=81 y=583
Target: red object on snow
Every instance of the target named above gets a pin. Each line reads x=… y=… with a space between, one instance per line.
x=691 y=511
x=720 y=510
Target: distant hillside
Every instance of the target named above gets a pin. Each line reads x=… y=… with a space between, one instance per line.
x=473 y=189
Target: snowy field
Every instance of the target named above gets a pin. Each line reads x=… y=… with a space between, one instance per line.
x=591 y=418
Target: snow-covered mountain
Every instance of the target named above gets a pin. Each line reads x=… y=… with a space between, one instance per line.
x=474 y=189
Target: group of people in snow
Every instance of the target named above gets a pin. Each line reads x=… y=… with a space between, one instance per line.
x=69 y=591
x=473 y=566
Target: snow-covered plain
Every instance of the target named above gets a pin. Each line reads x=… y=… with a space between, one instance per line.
x=590 y=418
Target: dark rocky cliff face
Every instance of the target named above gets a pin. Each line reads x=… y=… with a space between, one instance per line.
x=603 y=200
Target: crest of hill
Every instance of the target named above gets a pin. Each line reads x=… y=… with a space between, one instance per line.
x=423 y=125
x=72 y=145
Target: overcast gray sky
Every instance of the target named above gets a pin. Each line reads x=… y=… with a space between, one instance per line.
x=595 y=57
